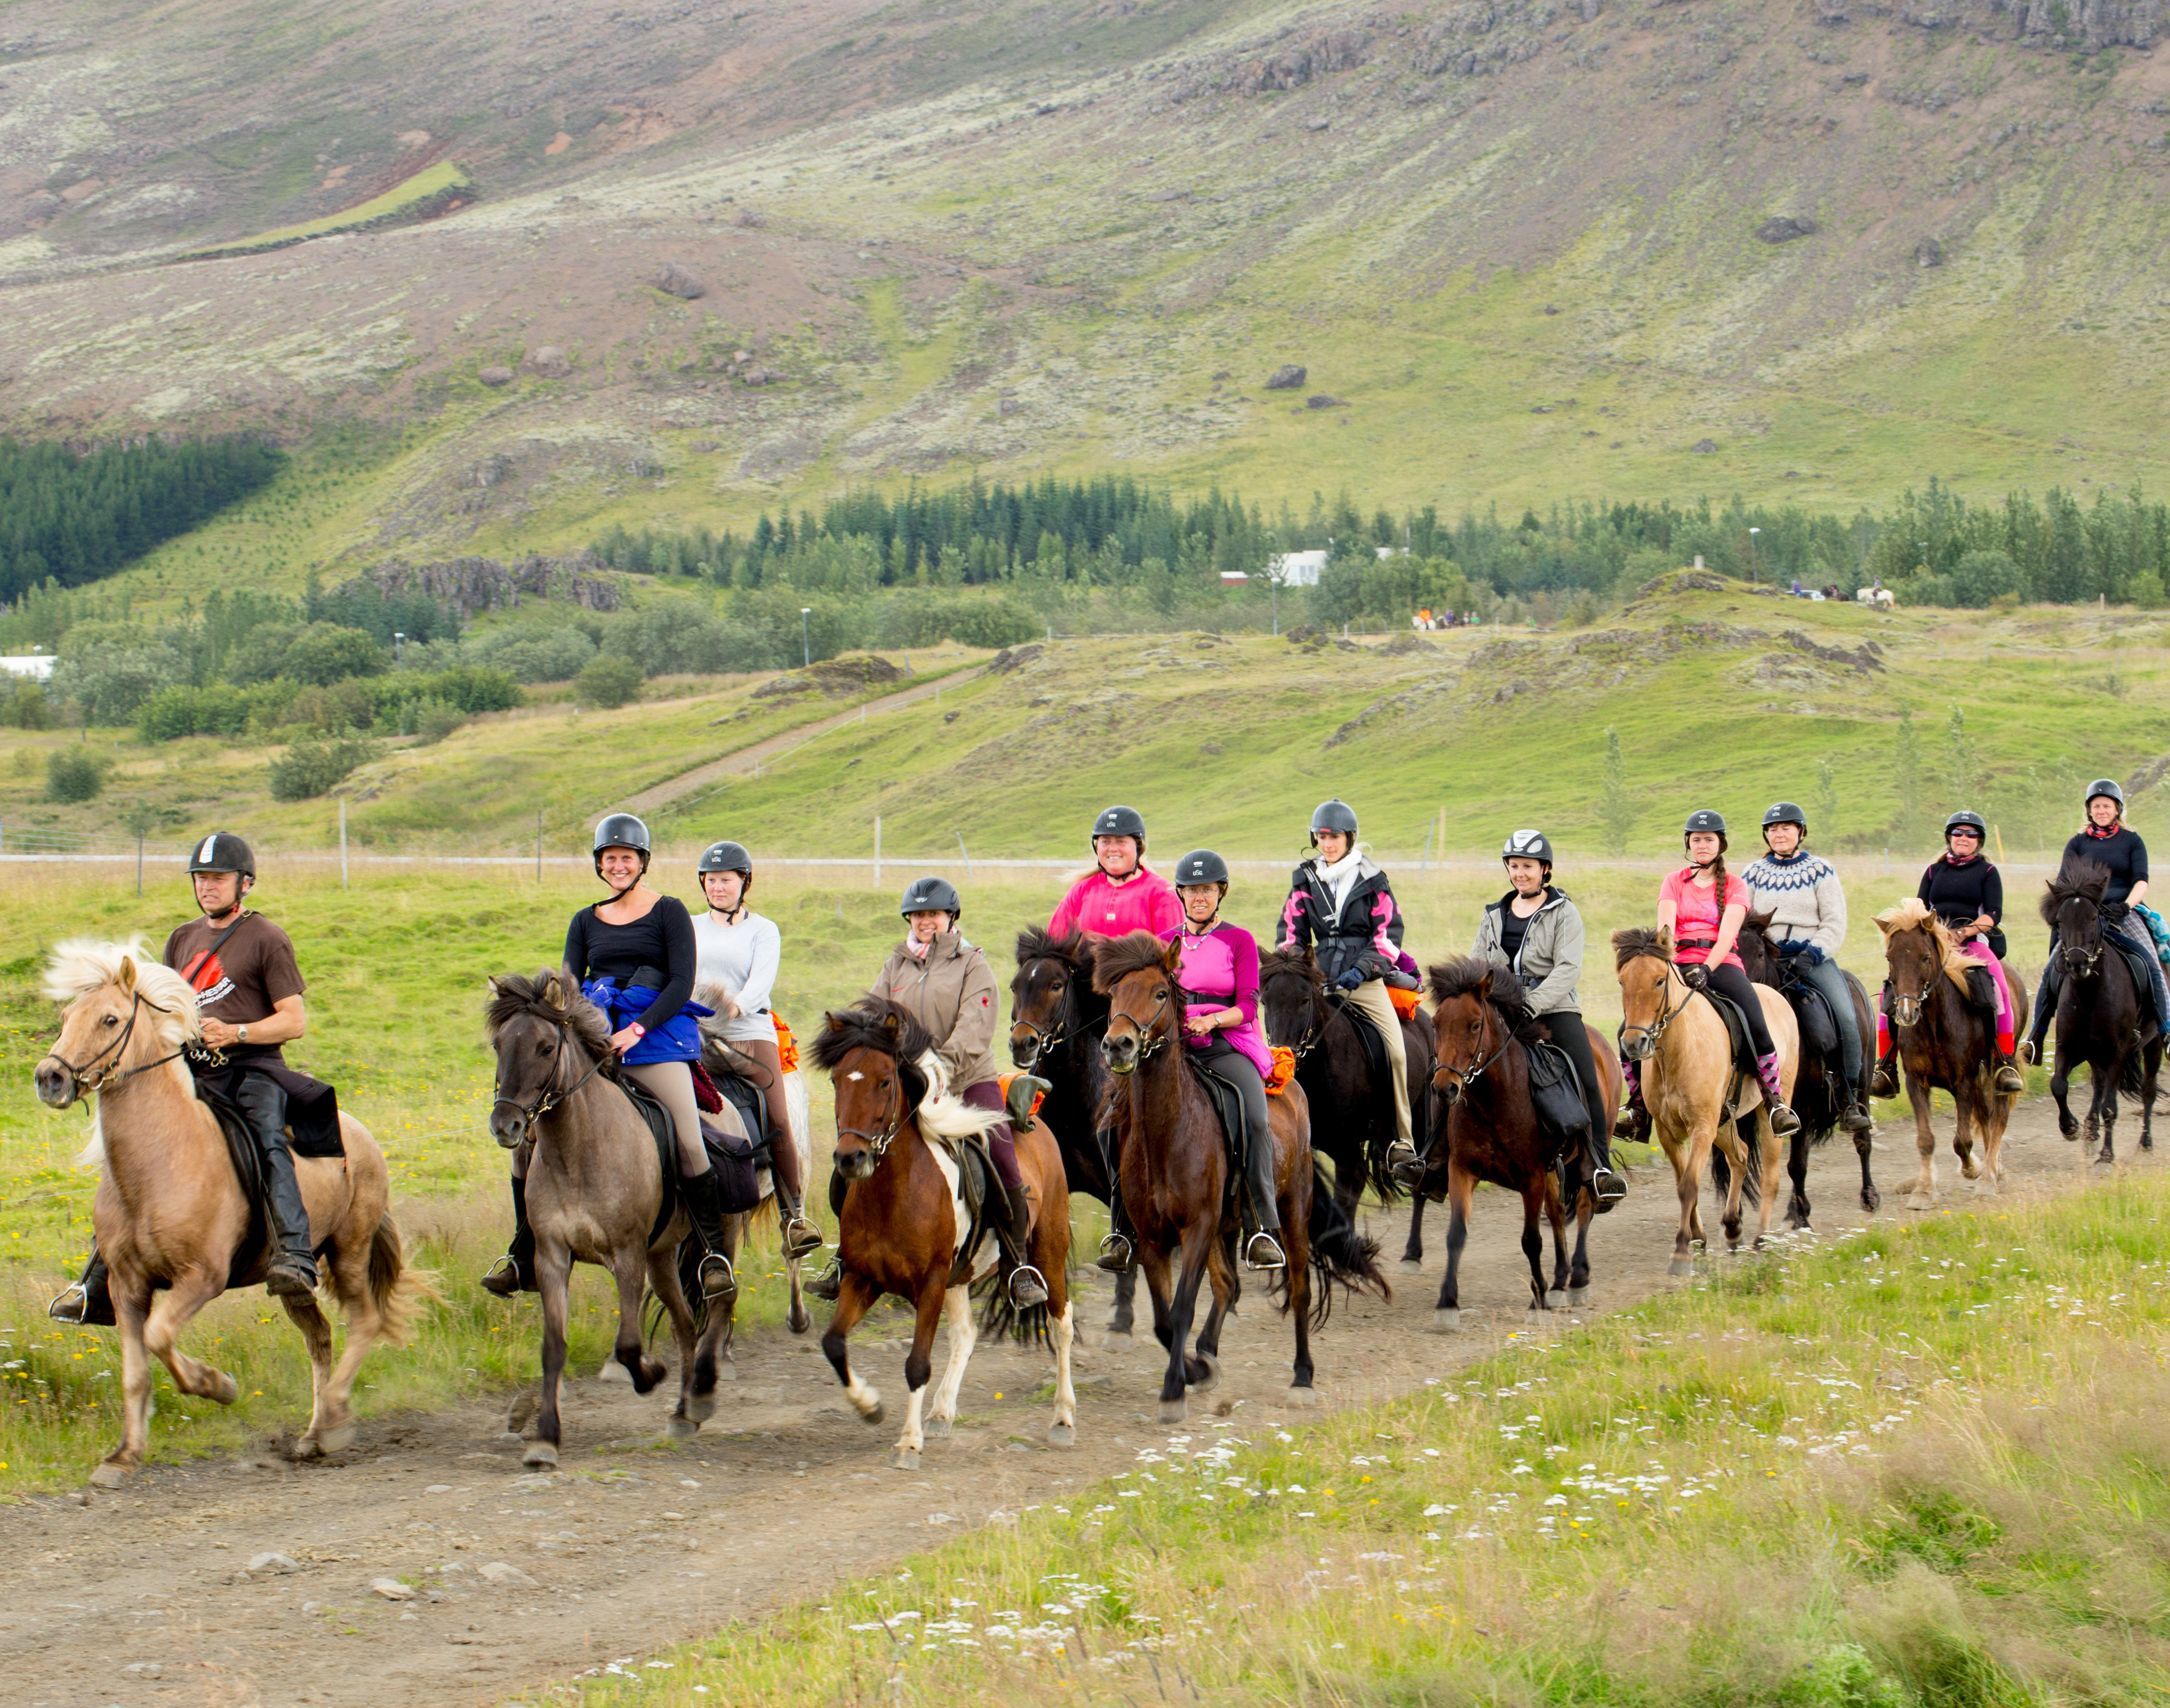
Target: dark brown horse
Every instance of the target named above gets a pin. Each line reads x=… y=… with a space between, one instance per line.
x=907 y=1228
x=1181 y=1190
x=1947 y=1043
x=1819 y=1097
x=1056 y=1019
x=1492 y=1133
x=2104 y=1017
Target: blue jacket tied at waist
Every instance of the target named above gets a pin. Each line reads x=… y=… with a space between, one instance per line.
x=678 y=1039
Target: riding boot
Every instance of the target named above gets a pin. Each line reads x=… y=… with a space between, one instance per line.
x=704 y=1197
x=799 y=1235
x=293 y=1271
x=1119 y=1250
x=89 y=1303
x=830 y=1281
x=1606 y=1183
x=2009 y=1081
x=1783 y=1121
x=1028 y=1286
x=1262 y=1251
x=2046 y=1011
x=515 y=1272
x=1407 y=1172
x=1633 y=1120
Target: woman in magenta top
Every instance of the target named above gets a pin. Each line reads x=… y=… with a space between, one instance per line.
x=1702 y=905
x=1220 y=984
x=1120 y=896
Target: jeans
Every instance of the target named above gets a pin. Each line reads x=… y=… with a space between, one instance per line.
x=1830 y=984
x=1378 y=1008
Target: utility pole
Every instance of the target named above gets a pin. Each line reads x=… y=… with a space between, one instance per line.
x=139 y=861
x=538 y=845
x=342 y=841
x=1755 y=567
x=877 y=851
x=805 y=645
x=966 y=852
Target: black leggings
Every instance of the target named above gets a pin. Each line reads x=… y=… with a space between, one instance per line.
x=1569 y=1032
x=1731 y=981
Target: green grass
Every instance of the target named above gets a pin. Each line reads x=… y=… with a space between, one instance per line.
x=431 y=186
x=1917 y=1466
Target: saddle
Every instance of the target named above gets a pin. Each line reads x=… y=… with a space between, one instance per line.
x=1228 y=1104
x=738 y=1161
x=1808 y=1002
x=666 y=1133
x=1376 y=1061
x=2136 y=960
x=307 y=1135
x=1742 y=1040
x=1556 y=1092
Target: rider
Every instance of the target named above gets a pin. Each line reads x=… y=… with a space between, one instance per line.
x=1535 y=930
x=249 y=994
x=1220 y=984
x=1702 y=905
x=634 y=954
x=1119 y=895
x=2107 y=840
x=1341 y=901
x=1802 y=893
x=945 y=984
x=737 y=952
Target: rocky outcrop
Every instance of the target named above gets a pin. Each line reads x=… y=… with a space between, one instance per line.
x=1928 y=253
x=495 y=374
x=1287 y=378
x=548 y=362
x=1783 y=229
x=674 y=280
x=473 y=584
x=1287 y=65
x=853 y=673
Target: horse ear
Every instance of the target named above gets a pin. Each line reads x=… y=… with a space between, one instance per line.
x=495 y=992
x=893 y=1023
x=554 y=992
x=128 y=973
x=1485 y=986
x=1665 y=941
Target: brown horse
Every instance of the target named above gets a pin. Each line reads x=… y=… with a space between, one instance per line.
x=907 y=1228
x=1697 y=1099
x=1946 y=1043
x=1181 y=1191
x=1483 y=1080
x=170 y=1214
x=596 y=1191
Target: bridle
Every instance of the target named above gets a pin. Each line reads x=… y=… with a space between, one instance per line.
x=1151 y=1043
x=1655 y=1033
x=1462 y=1083
x=2082 y=963
x=1047 y=1038
x=549 y=1097
x=879 y=1140
x=82 y=1079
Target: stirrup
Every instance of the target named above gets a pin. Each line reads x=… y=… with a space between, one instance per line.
x=716 y=1277
x=1273 y=1257
x=504 y=1278
x=71 y=1305
x=1856 y=1119
x=1783 y=1121
x=289 y=1278
x=1408 y=1172
x=1608 y=1187
x=1117 y=1255
x=829 y=1282
x=1885 y=1081
x=1027 y=1287
x=798 y=1244
x=2009 y=1081
x=2030 y=1052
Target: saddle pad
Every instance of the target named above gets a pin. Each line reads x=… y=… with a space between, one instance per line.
x=1736 y=1030
x=1228 y=1104
x=2136 y=960
x=667 y=1151
x=1377 y=1063
x=976 y=1178
x=1555 y=1092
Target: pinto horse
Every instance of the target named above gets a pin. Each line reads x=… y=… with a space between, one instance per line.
x=170 y=1214
x=1818 y=1098
x=1697 y=1099
x=1182 y=1191
x=1946 y=1043
x=906 y=1227
x=2103 y=1019
x=1480 y=1019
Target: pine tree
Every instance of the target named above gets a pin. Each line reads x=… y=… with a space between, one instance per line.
x=1616 y=803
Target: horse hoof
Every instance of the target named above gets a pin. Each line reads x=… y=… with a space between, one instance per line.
x=339 y=1437
x=904 y=1458
x=1555 y=1299
x=1578 y=1295
x=305 y=1450
x=799 y=1319
x=2105 y=1160
x=701 y=1407
x=613 y=1371
x=1061 y=1435
x=681 y=1428
x=1412 y=1266
x=1302 y=1396
x=1212 y=1379
x=1680 y=1266
x=541 y=1455
x=1173 y=1410
x=1447 y=1320
x=109 y=1476
x=1920 y=1201
x=224 y=1389
x=1117 y=1340
x=873 y=1413
x=1871 y=1201
x=936 y=1429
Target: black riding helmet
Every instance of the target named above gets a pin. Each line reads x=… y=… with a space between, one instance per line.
x=1785 y=812
x=1702 y=818
x=2104 y=785
x=726 y=856
x=621 y=831
x=933 y=895
x=1336 y=814
x=1527 y=845
x=1202 y=866
x=223 y=851
x=1119 y=821
x=1964 y=820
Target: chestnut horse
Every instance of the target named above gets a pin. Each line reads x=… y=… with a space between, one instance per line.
x=1483 y=1032
x=906 y=1225
x=1698 y=1100
x=170 y=1212
x=1946 y=1043
x=1181 y=1190
x=2104 y=1018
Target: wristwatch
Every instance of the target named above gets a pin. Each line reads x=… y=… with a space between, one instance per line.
x=241 y=1034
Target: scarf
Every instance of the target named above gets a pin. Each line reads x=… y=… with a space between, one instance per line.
x=2101 y=834
x=918 y=949
x=1340 y=876
x=1952 y=859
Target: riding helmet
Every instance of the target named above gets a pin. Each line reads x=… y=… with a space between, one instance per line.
x=1528 y=845
x=223 y=851
x=1705 y=820
x=933 y=895
x=1121 y=821
x=1336 y=814
x=621 y=830
x=727 y=856
x=1202 y=866
x=2103 y=786
x=1964 y=820
x=1786 y=812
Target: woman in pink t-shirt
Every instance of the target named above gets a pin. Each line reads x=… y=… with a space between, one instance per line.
x=1702 y=905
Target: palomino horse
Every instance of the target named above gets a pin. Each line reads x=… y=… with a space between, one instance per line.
x=170 y=1214
x=906 y=1227
x=1492 y=1131
x=1819 y=1098
x=1697 y=1098
x=720 y=1060
x=1056 y=1018
x=2103 y=1019
x=1946 y=1043
x=1180 y=1189
x=595 y=1190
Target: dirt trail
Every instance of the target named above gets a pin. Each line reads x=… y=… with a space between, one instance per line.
x=142 y=1597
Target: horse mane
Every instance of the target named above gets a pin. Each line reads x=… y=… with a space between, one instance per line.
x=1461 y=975
x=1298 y=960
x=1914 y=914
x=2078 y=880
x=82 y=965
x=1073 y=949
x=1637 y=942
x=1116 y=958
x=876 y=1023
x=512 y=995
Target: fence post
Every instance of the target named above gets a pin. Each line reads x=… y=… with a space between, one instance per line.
x=961 y=849
x=139 y=863
x=877 y=851
x=342 y=841
x=538 y=845
x=1424 y=865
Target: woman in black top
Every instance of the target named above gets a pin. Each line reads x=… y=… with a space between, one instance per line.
x=1964 y=889
x=2106 y=840
x=633 y=954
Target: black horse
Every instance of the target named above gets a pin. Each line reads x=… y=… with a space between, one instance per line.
x=2104 y=1018
x=1819 y=1092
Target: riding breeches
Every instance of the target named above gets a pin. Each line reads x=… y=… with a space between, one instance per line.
x=1231 y=1064
x=783 y=1143
x=1002 y=1142
x=1378 y=1008
x=1731 y=982
x=1831 y=984
x=1569 y=1032
x=671 y=1083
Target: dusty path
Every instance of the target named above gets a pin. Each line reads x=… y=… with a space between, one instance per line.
x=142 y=1597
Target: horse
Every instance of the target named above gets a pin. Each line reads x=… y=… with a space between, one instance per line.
x=907 y=1228
x=2103 y=1019
x=596 y=1192
x=720 y=1060
x=1492 y=1131
x=1180 y=1188
x=1819 y=1098
x=1056 y=1016
x=170 y=1214
x=1697 y=1099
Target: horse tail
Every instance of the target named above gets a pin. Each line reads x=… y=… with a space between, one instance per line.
x=397 y=1291
x=999 y=1317
x=1339 y=1251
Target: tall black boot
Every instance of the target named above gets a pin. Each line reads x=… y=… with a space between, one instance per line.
x=1262 y=1251
x=799 y=1235
x=2046 y=1011
x=1119 y=1251
x=293 y=1271
x=89 y=1303
x=830 y=1281
x=713 y=1275
x=1606 y=1183
x=515 y=1272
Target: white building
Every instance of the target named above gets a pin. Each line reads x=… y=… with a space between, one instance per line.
x=38 y=667
x=1296 y=568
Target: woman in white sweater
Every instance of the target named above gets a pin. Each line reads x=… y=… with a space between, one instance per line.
x=738 y=954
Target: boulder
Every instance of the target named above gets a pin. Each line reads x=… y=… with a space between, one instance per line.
x=1320 y=401
x=1928 y=253
x=676 y=280
x=1703 y=447
x=495 y=375
x=702 y=447
x=1783 y=229
x=747 y=220
x=1287 y=378
x=549 y=362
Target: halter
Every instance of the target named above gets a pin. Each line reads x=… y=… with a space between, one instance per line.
x=1467 y=1083
x=80 y=1079
x=1655 y=1031
x=548 y=1098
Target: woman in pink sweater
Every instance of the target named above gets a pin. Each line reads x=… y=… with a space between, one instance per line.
x=1120 y=895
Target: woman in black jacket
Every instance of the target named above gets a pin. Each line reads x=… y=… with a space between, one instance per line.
x=2108 y=841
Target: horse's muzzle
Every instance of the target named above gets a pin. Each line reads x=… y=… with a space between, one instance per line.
x=55 y=1084
x=1907 y=1010
x=508 y=1128
x=1449 y=1091
x=1024 y=1048
x=1640 y=1048
x=859 y=1163
x=1121 y=1053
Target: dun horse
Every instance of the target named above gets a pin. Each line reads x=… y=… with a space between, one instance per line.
x=1492 y=1131
x=596 y=1192
x=907 y=1228
x=1697 y=1097
x=1181 y=1192
x=2103 y=1014
x=170 y=1214
x=1946 y=1043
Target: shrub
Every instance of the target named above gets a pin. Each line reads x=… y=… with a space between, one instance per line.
x=181 y=710
x=1981 y=577
x=609 y=681
x=533 y=653
x=430 y=720
x=73 y=774
x=27 y=707
x=309 y=769
x=109 y=678
x=325 y=652
x=678 y=636
x=996 y=623
x=472 y=688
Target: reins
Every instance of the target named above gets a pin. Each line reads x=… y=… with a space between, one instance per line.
x=1467 y=1083
x=1667 y=1010
x=79 y=1081
x=1048 y=1038
x=549 y=1099
x=884 y=1136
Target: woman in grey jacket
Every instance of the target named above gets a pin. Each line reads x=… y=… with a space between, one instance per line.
x=1535 y=930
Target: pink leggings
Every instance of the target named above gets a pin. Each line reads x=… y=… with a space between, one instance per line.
x=1977 y=951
